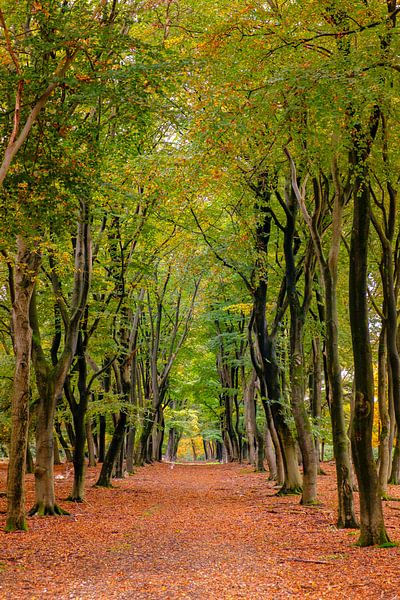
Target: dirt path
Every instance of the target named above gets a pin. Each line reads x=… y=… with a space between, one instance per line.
x=195 y=532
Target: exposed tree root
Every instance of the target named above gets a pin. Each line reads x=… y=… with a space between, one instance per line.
x=13 y=524
x=285 y=491
x=43 y=510
x=77 y=499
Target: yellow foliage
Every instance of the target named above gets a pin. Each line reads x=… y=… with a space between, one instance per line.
x=185 y=448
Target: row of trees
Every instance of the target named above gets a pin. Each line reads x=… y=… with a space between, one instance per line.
x=244 y=151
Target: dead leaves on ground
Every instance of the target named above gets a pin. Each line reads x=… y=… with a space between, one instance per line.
x=194 y=532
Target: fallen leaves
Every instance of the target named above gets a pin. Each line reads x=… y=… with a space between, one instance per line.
x=194 y=532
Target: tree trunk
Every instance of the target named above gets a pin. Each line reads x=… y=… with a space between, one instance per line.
x=270 y=389
x=250 y=420
x=130 y=448
x=172 y=445
x=270 y=455
x=316 y=391
x=113 y=452
x=194 y=452
x=57 y=459
x=102 y=438
x=373 y=530
x=119 y=463
x=90 y=443
x=27 y=266
x=296 y=363
x=395 y=468
x=147 y=425
x=346 y=514
x=30 y=465
x=50 y=378
x=158 y=436
x=64 y=445
x=44 y=472
x=384 y=456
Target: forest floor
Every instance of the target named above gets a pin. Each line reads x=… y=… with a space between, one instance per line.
x=194 y=532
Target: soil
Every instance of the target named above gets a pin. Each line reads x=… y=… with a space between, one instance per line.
x=197 y=531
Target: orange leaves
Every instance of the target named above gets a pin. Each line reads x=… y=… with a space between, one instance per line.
x=38 y=7
x=201 y=531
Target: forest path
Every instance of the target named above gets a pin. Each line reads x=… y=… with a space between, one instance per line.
x=194 y=532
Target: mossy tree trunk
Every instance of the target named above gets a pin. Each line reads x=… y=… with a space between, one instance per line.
x=22 y=282
x=50 y=376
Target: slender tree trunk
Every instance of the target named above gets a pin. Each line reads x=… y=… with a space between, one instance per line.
x=251 y=424
x=64 y=445
x=372 y=529
x=270 y=388
x=102 y=438
x=147 y=425
x=194 y=451
x=27 y=266
x=296 y=363
x=395 y=468
x=130 y=448
x=316 y=392
x=270 y=454
x=113 y=452
x=90 y=443
x=30 y=465
x=384 y=457
x=346 y=514
x=78 y=487
x=332 y=368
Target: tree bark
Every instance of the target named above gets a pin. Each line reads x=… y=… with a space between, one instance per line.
x=372 y=531
x=113 y=451
x=50 y=378
x=384 y=456
x=296 y=363
x=333 y=373
x=26 y=270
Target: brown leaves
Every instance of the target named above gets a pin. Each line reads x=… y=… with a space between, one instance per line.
x=203 y=531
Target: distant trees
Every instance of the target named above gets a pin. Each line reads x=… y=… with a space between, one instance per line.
x=185 y=213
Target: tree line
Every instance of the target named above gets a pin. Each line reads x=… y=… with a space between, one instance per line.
x=200 y=223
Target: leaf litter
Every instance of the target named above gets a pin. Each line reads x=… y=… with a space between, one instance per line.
x=194 y=532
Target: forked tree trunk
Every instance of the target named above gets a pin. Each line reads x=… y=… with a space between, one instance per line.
x=27 y=266
x=333 y=372
x=44 y=472
x=50 y=378
x=267 y=369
